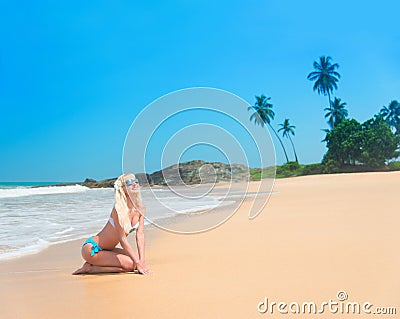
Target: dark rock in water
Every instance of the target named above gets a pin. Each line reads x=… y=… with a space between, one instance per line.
x=106 y=183
x=193 y=172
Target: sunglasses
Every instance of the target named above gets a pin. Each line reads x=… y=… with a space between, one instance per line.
x=131 y=181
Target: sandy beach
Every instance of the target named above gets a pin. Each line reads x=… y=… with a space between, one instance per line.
x=316 y=236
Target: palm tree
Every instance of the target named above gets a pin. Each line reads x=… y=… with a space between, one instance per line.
x=325 y=76
x=327 y=131
x=336 y=112
x=391 y=115
x=287 y=130
x=263 y=114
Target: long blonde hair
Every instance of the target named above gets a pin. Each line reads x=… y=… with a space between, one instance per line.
x=121 y=201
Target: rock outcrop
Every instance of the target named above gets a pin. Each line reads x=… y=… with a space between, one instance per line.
x=196 y=172
x=193 y=172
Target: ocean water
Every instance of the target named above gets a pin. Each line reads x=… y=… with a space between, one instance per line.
x=32 y=218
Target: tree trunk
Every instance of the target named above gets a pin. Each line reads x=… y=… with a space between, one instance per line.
x=329 y=97
x=330 y=106
x=280 y=141
x=294 y=151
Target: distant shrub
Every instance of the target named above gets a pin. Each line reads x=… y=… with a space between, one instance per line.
x=255 y=173
x=330 y=167
x=394 y=166
x=287 y=170
x=281 y=173
x=312 y=169
x=269 y=172
x=292 y=166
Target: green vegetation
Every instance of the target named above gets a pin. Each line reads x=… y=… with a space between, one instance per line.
x=371 y=143
x=336 y=113
x=391 y=115
x=263 y=114
x=325 y=76
x=291 y=170
x=288 y=129
x=352 y=146
x=394 y=166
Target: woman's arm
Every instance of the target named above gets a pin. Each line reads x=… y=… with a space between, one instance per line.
x=140 y=238
x=140 y=243
x=123 y=239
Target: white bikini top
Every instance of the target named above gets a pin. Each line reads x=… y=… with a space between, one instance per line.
x=111 y=220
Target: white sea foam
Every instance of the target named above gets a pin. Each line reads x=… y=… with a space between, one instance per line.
x=29 y=191
x=201 y=208
x=69 y=229
x=37 y=244
x=33 y=218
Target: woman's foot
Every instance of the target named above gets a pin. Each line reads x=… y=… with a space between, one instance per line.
x=85 y=269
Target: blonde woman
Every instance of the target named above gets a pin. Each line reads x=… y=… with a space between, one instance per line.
x=100 y=251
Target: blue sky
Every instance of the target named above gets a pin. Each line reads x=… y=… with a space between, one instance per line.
x=74 y=75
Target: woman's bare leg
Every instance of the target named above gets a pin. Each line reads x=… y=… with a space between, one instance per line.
x=123 y=252
x=105 y=261
x=91 y=269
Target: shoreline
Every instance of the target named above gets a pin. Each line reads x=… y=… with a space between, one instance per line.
x=171 y=220
x=317 y=235
x=151 y=227
x=41 y=243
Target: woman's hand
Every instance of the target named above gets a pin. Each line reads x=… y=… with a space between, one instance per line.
x=142 y=268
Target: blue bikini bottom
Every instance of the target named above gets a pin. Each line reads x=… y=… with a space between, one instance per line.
x=95 y=248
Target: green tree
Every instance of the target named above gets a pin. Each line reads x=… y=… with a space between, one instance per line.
x=391 y=114
x=336 y=113
x=343 y=143
x=325 y=76
x=378 y=143
x=287 y=131
x=263 y=114
x=371 y=143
